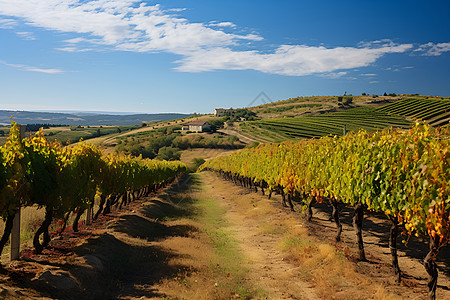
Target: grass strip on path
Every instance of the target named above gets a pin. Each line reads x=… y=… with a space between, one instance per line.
x=227 y=264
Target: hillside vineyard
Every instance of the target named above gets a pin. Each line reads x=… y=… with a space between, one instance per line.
x=404 y=174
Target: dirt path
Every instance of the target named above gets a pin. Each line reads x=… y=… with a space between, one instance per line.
x=266 y=270
x=269 y=270
x=241 y=137
x=206 y=238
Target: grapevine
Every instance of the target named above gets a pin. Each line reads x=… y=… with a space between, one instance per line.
x=66 y=180
x=404 y=174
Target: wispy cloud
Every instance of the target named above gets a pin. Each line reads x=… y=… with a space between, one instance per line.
x=26 y=35
x=8 y=23
x=369 y=75
x=333 y=75
x=74 y=49
x=31 y=68
x=223 y=24
x=175 y=9
x=368 y=44
x=128 y=24
x=134 y=25
x=293 y=60
x=432 y=49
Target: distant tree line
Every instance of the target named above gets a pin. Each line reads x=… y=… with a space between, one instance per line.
x=36 y=127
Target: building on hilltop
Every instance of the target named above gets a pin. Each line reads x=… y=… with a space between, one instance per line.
x=196 y=126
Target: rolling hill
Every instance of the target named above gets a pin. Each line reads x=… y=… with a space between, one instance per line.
x=29 y=117
x=307 y=117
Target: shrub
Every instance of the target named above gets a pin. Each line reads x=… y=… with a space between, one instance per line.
x=197 y=162
x=348 y=100
x=169 y=153
x=232 y=139
x=252 y=145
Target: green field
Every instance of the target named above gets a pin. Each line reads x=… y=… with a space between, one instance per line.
x=435 y=111
x=71 y=134
x=281 y=129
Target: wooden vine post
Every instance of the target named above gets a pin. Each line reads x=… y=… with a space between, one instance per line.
x=15 y=232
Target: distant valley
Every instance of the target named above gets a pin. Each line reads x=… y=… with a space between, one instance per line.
x=29 y=117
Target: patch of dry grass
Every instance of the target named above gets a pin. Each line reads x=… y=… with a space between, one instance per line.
x=333 y=275
x=31 y=218
x=216 y=266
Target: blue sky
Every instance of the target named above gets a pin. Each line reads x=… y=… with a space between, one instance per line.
x=193 y=56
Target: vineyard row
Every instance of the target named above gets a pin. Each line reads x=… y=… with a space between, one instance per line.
x=66 y=180
x=404 y=174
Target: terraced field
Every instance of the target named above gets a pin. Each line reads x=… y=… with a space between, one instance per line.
x=436 y=112
x=282 y=129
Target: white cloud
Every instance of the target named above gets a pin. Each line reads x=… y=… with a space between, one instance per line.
x=8 y=23
x=127 y=24
x=432 y=49
x=74 y=49
x=75 y=40
x=333 y=75
x=32 y=69
x=223 y=24
x=373 y=82
x=48 y=71
x=293 y=60
x=26 y=35
x=369 y=75
x=175 y=9
x=134 y=25
x=376 y=43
